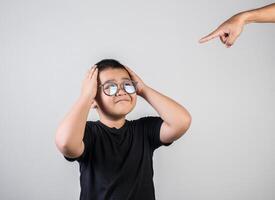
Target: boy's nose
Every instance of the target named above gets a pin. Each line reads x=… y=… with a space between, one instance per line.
x=120 y=91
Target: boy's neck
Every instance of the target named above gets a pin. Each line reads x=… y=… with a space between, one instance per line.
x=117 y=123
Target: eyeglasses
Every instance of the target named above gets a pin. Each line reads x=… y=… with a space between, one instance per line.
x=111 y=88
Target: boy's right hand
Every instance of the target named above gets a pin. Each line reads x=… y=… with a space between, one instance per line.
x=89 y=85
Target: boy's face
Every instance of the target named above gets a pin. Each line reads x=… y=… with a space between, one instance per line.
x=121 y=103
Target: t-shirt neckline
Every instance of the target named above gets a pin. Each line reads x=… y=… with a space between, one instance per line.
x=114 y=129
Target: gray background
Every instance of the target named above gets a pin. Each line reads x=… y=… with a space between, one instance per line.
x=46 y=47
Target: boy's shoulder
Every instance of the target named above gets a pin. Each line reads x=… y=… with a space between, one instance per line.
x=149 y=119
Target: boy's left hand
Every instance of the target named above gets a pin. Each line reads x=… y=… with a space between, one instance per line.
x=140 y=84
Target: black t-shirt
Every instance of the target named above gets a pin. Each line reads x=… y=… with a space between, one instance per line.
x=117 y=163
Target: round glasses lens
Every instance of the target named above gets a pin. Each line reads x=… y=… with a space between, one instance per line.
x=110 y=88
x=129 y=87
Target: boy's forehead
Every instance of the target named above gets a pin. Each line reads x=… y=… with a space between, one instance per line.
x=114 y=75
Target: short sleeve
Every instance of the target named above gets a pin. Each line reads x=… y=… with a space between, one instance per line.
x=152 y=125
x=88 y=141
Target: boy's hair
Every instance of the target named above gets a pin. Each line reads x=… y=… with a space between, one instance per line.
x=109 y=63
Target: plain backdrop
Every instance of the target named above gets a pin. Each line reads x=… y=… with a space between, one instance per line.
x=46 y=47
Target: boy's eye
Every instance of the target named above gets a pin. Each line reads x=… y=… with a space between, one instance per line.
x=128 y=83
x=109 y=85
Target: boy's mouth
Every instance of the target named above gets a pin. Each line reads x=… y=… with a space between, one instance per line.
x=122 y=100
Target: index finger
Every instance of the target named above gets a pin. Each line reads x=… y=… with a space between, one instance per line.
x=130 y=71
x=210 y=36
x=92 y=70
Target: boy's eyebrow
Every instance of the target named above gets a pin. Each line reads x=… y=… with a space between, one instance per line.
x=124 y=78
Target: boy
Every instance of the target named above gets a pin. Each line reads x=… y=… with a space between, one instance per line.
x=115 y=154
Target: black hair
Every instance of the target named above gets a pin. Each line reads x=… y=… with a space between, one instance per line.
x=109 y=63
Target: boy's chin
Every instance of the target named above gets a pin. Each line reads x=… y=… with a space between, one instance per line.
x=122 y=105
x=122 y=111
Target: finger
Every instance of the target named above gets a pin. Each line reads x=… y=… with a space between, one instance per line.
x=131 y=71
x=223 y=38
x=231 y=39
x=89 y=70
x=210 y=36
x=127 y=68
x=95 y=73
x=93 y=68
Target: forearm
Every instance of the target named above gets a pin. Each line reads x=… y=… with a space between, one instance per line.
x=70 y=132
x=174 y=114
x=264 y=14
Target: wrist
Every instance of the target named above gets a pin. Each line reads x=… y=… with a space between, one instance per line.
x=247 y=16
x=85 y=100
x=142 y=92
